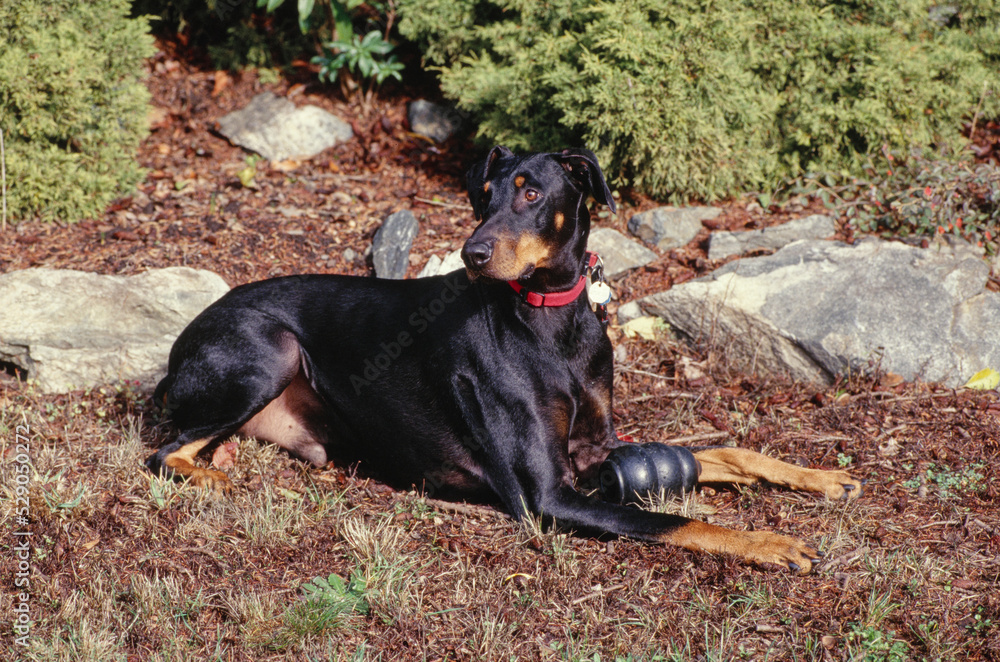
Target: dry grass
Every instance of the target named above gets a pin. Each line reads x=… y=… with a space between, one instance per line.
x=128 y=566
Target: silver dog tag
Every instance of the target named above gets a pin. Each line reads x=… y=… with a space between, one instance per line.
x=599 y=293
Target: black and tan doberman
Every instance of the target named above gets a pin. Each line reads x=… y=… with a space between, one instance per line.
x=490 y=383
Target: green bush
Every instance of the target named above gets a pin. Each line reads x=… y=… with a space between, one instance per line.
x=72 y=105
x=695 y=98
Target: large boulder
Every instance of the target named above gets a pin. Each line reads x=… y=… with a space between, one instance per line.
x=724 y=244
x=817 y=309
x=71 y=329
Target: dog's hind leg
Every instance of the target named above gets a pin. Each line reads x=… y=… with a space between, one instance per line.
x=180 y=462
x=217 y=384
x=745 y=467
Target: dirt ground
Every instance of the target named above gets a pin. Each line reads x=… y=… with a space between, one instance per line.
x=126 y=566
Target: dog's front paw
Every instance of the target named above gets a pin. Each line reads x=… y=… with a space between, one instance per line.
x=775 y=549
x=760 y=547
x=838 y=485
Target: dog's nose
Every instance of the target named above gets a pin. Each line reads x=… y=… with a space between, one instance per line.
x=476 y=254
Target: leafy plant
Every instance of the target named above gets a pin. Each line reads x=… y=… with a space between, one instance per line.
x=981 y=624
x=368 y=56
x=919 y=197
x=950 y=482
x=328 y=601
x=868 y=641
x=870 y=644
x=359 y=54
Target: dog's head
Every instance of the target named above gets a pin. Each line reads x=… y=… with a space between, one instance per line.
x=532 y=213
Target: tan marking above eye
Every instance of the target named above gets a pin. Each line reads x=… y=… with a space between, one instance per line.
x=486 y=187
x=531 y=195
x=519 y=181
x=559 y=219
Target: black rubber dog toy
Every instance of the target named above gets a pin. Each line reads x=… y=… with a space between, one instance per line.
x=636 y=471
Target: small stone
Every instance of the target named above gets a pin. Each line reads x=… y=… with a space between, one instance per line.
x=437 y=266
x=435 y=121
x=392 y=243
x=619 y=253
x=667 y=227
x=274 y=128
x=431 y=268
x=629 y=311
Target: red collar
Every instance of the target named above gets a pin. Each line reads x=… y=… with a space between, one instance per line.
x=555 y=298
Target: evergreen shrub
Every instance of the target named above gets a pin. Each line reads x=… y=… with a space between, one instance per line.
x=704 y=98
x=72 y=104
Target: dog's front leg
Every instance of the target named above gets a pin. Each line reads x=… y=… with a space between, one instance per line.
x=745 y=467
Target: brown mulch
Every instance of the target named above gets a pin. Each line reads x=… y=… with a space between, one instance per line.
x=320 y=215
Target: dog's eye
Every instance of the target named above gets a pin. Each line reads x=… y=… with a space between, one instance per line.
x=531 y=195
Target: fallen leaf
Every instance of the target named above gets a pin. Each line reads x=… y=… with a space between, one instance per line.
x=246 y=176
x=225 y=456
x=289 y=494
x=690 y=369
x=287 y=165
x=90 y=545
x=986 y=379
x=644 y=327
x=222 y=81
x=890 y=380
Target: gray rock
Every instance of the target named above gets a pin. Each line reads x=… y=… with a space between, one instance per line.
x=816 y=309
x=432 y=268
x=724 y=244
x=667 y=228
x=629 y=311
x=391 y=245
x=274 y=128
x=76 y=330
x=436 y=266
x=435 y=121
x=619 y=253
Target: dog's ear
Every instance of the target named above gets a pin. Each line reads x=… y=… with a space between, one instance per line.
x=582 y=165
x=479 y=174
